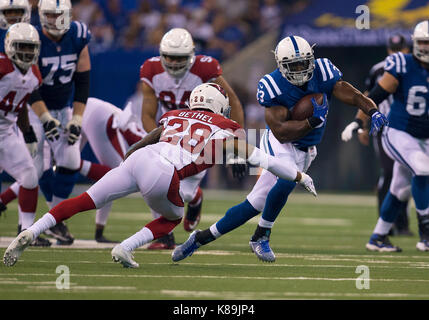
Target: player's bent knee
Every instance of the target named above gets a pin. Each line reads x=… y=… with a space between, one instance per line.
x=420 y=162
x=29 y=178
x=403 y=194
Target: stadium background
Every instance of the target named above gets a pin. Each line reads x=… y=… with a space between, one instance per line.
x=241 y=35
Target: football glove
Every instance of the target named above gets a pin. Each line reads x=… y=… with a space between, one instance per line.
x=319 y=112
x=74 y=128
x=238 y=167
x=50 y=126
x=378 y=120
x=31 y=141
x=307 y=183
x=348 y=131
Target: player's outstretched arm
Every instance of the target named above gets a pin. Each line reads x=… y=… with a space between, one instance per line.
x=256 y=157
x=237 y=113
x=151 y=138
x=149 y=108
x=348 y=94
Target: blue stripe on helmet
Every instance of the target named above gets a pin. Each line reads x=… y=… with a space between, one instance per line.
x=295 y=45
x=58 y=3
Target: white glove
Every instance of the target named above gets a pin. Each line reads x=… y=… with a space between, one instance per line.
x=74 y=128
x=347 y=133
x=50 y=125
x=307 y=183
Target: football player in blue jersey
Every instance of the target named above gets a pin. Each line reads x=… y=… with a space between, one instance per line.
x=298 y=74
x=60 y=102
x=12 y=11
x=406 y=138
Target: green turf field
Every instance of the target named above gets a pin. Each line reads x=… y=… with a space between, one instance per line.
x=319 y=243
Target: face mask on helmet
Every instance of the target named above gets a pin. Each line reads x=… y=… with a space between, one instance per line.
x=297 y=71
x=11 y=16
x=421 y=50
x=175 y=65
x=56 y=22
x=25 y=54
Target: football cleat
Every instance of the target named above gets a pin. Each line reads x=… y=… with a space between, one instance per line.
x=381 y=243
x=262 y=249
x=103 y=239
x=423 y=245
x=124 y=257
x=18 y=245
x=41 y=242
x=186 y=249
x=61 y=233
x=192 y=217
x=2 y=207
x=164 y=243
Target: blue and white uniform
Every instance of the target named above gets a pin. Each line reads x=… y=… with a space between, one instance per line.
x=406 y=138
x=275 y=90
x=2 y=37
x=57 y=64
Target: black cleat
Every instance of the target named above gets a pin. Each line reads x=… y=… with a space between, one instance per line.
x=2 y=208
x=102 y=239
x=61 y=233
x=41 y=242
x=164 y=243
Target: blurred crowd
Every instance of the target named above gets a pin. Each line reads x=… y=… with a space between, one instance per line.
x=219 y=27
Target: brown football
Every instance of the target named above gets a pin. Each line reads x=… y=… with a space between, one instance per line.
x=303 y=109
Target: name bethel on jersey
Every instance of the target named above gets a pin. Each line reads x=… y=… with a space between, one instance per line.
x=275 y=90
x=190 y=138
x=174 y=93
x=15 y=89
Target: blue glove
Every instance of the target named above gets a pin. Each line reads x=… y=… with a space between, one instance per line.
x=319 y=112
x=378 y=120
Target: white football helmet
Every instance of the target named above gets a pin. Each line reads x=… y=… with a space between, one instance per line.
x=295 y=59
x=177 y=43
x=210 y=96
x=12 y=5
x=55 y=16
x=22 y=45
x=421 y=33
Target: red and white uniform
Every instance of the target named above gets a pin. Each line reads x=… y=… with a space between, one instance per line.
x=173 y=93
x=15 y=89
x=185 y=149
x=110 y=131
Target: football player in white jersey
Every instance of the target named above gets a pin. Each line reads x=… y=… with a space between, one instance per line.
x=19 y=77
x=156 y=166
x=167 y=82
x=110 y=132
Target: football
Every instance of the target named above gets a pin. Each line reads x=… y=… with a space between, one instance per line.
x=303 y=109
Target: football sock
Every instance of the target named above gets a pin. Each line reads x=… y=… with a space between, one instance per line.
x=97 y=171
x=27 y=199
x=204 y=237
x=197 y=198
x=277 y=198
x=420 y=192
x=70 y=207
x=389 y=211
x=138 y=239
x=382 y=227
x=10 y=193
x=44 y=223
x=261 y=232
x=161 y=226
x=236 y=216
x=27 y=219
x=99 y=231
x=85 y=165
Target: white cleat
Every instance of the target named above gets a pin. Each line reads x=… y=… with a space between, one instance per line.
x=307 y=183
x=124 y=257
x=18 y=245
x=422 y=245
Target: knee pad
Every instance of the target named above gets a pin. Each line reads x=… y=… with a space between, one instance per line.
x=420 y=163
x=29 y=178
